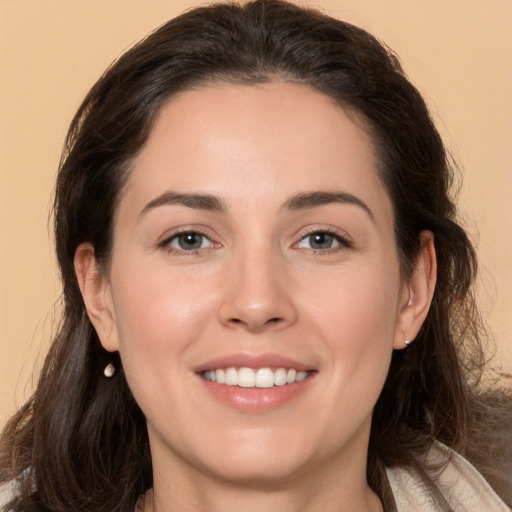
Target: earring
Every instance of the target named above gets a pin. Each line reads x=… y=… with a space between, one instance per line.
x=109 y=370
x=407 y=342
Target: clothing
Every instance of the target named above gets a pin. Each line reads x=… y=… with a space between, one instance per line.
x=461 y=484
x=7 y=493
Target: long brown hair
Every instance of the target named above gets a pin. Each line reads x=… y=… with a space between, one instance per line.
x=80 y=443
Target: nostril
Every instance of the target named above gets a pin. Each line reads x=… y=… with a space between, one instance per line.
x=256 y=325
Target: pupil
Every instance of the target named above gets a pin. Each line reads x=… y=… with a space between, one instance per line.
x=321 y=241
x=190 y=241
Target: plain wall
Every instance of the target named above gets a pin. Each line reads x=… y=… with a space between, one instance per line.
x=457 y=52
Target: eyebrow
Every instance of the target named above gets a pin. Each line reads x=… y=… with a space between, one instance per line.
x=196 y=201
x=302 y=201
x=308 y=200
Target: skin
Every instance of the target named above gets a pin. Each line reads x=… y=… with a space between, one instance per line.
x=256 y=286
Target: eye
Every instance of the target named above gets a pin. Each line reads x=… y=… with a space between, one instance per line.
x=323 y=241
x=188 y=241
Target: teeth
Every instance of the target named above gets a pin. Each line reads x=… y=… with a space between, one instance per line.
x=231 y=377
x=264 y=378
x=290 y=376
x=246 y=378
x=249 y=378
x=301 y=376
x=279 y=377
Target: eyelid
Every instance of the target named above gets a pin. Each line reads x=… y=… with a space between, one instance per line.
x=342 y=237
x=169 y=236
x=344 y=240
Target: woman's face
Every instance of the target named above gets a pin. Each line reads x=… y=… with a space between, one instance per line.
x=255 y=240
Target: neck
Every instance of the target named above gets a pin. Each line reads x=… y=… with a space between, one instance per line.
x=369 y=503
x=332 y=488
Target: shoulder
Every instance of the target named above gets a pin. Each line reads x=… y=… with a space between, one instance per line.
x=463 y=487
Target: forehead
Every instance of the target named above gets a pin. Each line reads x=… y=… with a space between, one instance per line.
x=245 y=142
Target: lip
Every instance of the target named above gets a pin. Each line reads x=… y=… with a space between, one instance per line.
x=255 y=400
x=255 y=361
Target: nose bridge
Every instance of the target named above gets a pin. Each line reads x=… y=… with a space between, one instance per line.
x=255 y=296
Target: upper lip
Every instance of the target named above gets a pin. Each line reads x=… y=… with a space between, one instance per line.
x=241 y=360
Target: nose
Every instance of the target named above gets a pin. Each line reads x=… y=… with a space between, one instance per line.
x=256 y=294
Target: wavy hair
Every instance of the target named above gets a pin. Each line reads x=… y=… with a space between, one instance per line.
x=80 y=442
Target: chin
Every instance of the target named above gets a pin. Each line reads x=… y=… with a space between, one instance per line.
x=267 y=458
x=257 y=472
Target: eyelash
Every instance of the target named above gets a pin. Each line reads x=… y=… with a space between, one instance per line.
x=166 y=243
x=343 y=241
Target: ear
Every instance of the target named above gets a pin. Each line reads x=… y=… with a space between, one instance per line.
x=97 y=295
x=417 y=293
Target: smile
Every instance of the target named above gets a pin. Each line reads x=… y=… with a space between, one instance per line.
x=255 y=378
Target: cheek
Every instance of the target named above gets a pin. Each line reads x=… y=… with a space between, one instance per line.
x=356 y=317
x=361 y=299
x=158 y=311
x=159 y=317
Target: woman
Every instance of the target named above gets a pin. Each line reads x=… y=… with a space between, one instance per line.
x=267 y=296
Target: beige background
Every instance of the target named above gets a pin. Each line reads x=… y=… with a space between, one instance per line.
x=458 y=52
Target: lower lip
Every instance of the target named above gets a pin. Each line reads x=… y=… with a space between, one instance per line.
x=257 y=400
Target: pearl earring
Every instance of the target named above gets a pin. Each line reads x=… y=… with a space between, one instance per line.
x=109 y=370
